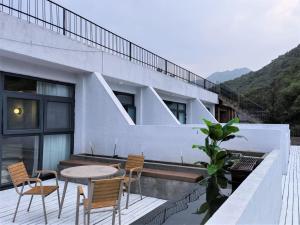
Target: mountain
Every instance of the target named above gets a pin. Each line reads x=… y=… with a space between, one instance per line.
x=220 y=77
x=276 y=87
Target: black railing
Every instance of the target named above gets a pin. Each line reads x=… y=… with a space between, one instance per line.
x=57 y=18
x=61 y=20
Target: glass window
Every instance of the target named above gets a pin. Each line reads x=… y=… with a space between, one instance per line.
x=19 y=84
x=46 y=88
x=127 y=101
x=19 y=149
x=58 y=115
x=22 y=114
x=56 y=148
x=178 y=109
x=181 y=117
x=131 y=110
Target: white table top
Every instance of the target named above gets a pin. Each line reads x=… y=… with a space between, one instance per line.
x=90 y=171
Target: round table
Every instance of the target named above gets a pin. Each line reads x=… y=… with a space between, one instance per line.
x=85 y=172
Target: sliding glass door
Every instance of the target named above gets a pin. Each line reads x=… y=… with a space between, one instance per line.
x=38 y=123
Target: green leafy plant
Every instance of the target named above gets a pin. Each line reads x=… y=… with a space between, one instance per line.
x=216 y=134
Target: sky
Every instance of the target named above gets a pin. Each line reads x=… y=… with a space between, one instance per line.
x=204 y=36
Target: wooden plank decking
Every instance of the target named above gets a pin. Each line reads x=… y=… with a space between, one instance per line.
x=291 y=190
x=8 y=200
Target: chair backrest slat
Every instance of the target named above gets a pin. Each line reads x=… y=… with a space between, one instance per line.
x=134 y=161
x=106 y=190
x=18 y=173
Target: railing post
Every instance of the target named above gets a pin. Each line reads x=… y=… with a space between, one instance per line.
x=64 y=21
x=190 y=80
x=166 y=66
x=204 y=83
x=130 y=50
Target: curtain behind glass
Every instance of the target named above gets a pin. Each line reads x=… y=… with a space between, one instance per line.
x=56 y=148
x=45 y=88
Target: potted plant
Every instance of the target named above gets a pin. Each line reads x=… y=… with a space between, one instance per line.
x=220 y=160
x=216 y=134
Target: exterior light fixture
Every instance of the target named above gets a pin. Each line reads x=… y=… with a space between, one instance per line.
x=18 y=111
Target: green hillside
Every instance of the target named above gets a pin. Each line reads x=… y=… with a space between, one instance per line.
x=276 y=87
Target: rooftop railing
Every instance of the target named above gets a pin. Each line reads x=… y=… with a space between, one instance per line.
x=64 y=21
x=57 y=18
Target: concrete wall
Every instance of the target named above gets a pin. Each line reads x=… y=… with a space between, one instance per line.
x=134 y=73
x=198 y=112
x=257 y=200
x=105 y=125
x=154 y=110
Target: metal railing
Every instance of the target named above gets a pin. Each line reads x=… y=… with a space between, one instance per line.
x=242 y=102
x=57 y=18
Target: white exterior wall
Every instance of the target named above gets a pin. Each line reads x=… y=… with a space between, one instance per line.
x=154 y=110
x=257 y=200
x=198 y=112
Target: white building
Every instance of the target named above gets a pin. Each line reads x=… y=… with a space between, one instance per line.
x=68 y=85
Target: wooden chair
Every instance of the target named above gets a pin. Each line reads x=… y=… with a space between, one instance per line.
x=19 y=176
x=134 y=168
x=102 y=194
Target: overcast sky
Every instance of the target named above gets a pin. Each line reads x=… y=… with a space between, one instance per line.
x=203 y=35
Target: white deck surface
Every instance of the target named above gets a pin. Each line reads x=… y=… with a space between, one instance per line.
x=291 y=190
x=8 y=201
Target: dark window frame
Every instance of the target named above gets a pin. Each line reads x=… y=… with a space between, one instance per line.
x=22 y=96
x=41 y=132
x=48 y=99
x=126 y=106
x=167 y=102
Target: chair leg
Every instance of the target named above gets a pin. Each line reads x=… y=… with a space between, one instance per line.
x=114 y=216
x=44 y=207
x=119 y=215
x=17 y=208
x=128 y=193
x=58 y=197
x=88 y=217
x=140 y=189
x=30 y=203
x=84 y=217
x=77 y=209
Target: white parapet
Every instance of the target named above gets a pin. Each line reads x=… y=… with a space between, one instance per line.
x=257 y=200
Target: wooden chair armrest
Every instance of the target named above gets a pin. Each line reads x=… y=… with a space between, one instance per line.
x=138 y=170
x=23 y=180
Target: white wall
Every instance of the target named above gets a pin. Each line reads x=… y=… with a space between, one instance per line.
x=105 y=125
x=128 y=71
x=257 y=200
x=154 y=110
x=198 y=112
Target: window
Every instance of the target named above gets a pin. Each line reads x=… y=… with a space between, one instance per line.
x=58 y=115
x=38 y=123
x=19 y=84
x=178 y=109
x=22 y=114
x=33 y=86
x=56 y=148
x=127 y=101
x=19 y=149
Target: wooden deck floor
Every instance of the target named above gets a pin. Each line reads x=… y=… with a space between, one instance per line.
x=8 y=200
x=291 y=190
